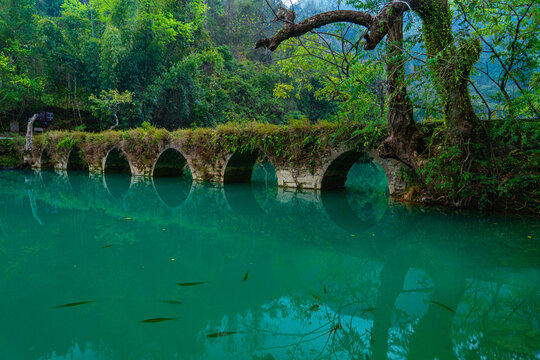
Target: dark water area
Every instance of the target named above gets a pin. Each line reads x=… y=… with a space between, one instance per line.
x=113 y=267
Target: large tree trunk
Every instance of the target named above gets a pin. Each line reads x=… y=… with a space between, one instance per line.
x=405 y=141
x=450 y=66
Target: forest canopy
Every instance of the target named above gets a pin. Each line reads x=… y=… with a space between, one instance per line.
x=193 y=63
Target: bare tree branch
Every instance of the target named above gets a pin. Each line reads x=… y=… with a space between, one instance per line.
x=377 y=25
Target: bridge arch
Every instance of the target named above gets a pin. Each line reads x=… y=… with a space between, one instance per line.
x=170 y=163
x=46 y=162
x=243 y=167
x=116 y=161
x=337 y=170
x=76 y=159
x=240 y=167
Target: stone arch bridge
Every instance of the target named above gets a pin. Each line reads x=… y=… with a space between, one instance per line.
x=306 y=159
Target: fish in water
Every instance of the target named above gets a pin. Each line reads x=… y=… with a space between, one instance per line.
x=443 y=306
x=106 y=246
x=334 y=329
x=369 y=309
x=192 y=283
x=75 y=304
x=265 y=357
x=156 y=320
x=314 y=307
x=220 y=334
x=246 y=276
x=316 y=297
x=172 y=302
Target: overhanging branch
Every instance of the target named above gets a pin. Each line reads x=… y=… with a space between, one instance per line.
x=377 y=25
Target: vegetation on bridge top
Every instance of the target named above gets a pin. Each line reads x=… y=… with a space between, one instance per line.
x=284 y=143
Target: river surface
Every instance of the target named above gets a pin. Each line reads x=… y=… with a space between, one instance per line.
x=110 y=267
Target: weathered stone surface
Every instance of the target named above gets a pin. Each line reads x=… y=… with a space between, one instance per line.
x=393 y=169
x=299 y=177
x=207 y=169
x=326 y=169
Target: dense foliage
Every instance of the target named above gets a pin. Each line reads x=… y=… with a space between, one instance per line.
x=171 y=63
x=194 y=62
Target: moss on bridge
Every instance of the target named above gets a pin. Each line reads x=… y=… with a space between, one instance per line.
x=301 y=154
x=296 y=142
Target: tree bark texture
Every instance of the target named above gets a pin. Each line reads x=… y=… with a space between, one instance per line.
x=30 y=132
x=405 y=141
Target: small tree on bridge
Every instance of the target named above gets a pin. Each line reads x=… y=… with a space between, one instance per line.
x=108 y=104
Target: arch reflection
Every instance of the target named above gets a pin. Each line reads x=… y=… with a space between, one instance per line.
x=115 y=169
x=362 y=200
x=253 y=200
x=242 y=201
x=172 y=192
x=117 y=185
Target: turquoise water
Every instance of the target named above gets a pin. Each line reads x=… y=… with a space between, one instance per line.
x=284 y=274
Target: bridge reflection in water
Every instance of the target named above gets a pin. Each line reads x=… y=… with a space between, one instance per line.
x=344 y=274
